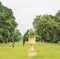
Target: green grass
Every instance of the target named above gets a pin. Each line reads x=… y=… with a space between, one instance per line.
x=44 y=51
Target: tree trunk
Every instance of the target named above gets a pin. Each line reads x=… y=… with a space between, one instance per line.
x=13 y=43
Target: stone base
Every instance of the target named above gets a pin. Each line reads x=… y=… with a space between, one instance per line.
x=32 y=52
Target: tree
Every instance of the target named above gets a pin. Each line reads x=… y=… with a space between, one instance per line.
x=46 y=27
x=7 y=23
x=17 y=35
x=57 y=19
x=25 y=37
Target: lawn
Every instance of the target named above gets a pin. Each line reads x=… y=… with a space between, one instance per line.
x=44 y=51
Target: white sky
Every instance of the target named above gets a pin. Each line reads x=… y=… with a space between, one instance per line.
x=26 y=10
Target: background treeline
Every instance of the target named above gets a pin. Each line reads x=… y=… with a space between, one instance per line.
x=47 y=28
x=8 y=31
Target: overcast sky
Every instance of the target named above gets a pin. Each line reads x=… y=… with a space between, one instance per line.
x=26 y=10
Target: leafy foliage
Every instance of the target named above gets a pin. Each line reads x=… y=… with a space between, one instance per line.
x=46 y=27
x=7 y=24
x=31 y=33
x=17 y=35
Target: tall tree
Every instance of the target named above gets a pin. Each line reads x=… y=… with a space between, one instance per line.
x=7 y=22
x=46 y=27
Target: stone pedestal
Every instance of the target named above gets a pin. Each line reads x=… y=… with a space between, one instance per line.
x=32 y=51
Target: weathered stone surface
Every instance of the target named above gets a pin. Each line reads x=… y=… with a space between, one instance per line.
x=32 y=40
x=32 y=52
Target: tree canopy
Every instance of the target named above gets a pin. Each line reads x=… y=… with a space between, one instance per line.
x=46 y=27
x=7 y=23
